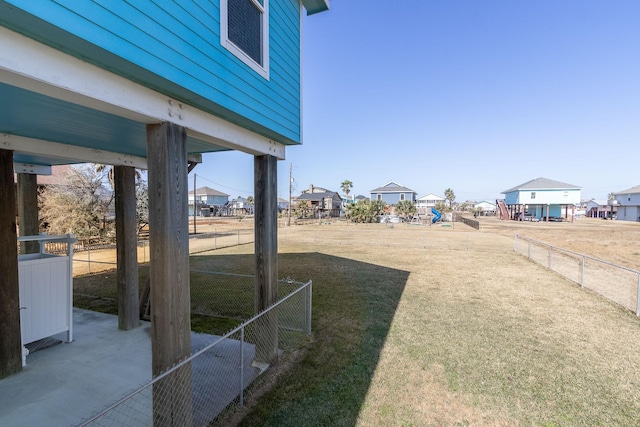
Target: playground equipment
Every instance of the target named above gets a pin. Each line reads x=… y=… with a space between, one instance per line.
x=436 y=215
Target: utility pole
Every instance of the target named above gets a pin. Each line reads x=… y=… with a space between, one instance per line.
x=290 y=185
x=194 y=203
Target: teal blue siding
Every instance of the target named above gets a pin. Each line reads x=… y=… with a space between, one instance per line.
x=174 y=46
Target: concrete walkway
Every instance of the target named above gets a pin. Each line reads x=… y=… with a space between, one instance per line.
x=67 y=383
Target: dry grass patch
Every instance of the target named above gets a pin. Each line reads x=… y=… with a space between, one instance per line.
x=448 y=326
x=477 y=337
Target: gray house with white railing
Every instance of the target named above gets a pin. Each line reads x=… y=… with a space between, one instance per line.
x=628 y=202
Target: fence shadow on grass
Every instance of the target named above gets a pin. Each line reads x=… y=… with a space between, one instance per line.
x=353 y=306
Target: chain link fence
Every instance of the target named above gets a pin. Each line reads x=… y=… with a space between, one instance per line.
x=614 y=282
x=206 y=388
x=93 y=254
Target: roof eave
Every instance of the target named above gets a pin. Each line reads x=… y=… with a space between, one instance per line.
x=315 y=6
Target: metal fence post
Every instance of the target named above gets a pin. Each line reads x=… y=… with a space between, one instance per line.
x=242 y=366
x=238 y=236
x=638 y=302
x=215 y=238
x=310 y=291
x=89 y=255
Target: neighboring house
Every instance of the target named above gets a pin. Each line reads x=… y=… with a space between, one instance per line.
x=283 y=205
x=600 y=209
x=240 y=206
x=543 y=199
x=628 y=204
x=347 y=199
x=323 y=202
x=206 y=197
x=485 y=208
x=424 y=204
x=393 y=193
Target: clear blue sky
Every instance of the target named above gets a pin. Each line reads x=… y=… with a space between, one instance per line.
x=478 y=96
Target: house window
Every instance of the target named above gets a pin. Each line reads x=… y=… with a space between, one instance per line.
x=379 y=197
x=244 y=28
x=533 y=195
x=401 y=196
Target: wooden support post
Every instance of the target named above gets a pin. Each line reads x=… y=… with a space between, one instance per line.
x=573 y=213
x=547 y=213
x=127 y=247
x=266 y=254
x=169 y=272
x=10 y=337
x=28 y=211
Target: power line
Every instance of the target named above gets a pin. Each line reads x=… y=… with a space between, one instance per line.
x=222 y=185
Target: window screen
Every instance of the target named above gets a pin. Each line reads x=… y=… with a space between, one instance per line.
x=245 y=27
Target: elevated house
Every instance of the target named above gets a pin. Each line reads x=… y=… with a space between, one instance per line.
x=325 y=203
x=601 y=209
x=150 y=85
x=424 y=204
x=628 y=204
x=240 y=206
x=393 y=193
x=207 y=198
x=541 y=198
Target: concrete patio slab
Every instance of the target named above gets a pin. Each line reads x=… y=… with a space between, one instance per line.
x=67 y=383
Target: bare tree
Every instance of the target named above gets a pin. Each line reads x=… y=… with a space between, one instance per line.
x=78 y=204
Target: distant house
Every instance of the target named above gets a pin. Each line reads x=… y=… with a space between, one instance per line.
x=543 y=199
x=393 y=193
x=323 y=202
x=628 y=204
x=283 y=204
x=347 y=199
x=600 y=209
x=239 y=206
x=206 y=197
x=485 y=208
x=424 y=204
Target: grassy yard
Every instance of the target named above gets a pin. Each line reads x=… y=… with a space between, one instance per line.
x=445 y=326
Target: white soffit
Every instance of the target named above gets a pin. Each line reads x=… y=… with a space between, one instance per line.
x=71 y=153
x=33 y=66
x=31 y=169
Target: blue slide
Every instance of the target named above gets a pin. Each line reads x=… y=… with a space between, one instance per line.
x=436 y=217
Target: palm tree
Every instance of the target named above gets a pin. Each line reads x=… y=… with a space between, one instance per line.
x=346 y=186
x=450 y=196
